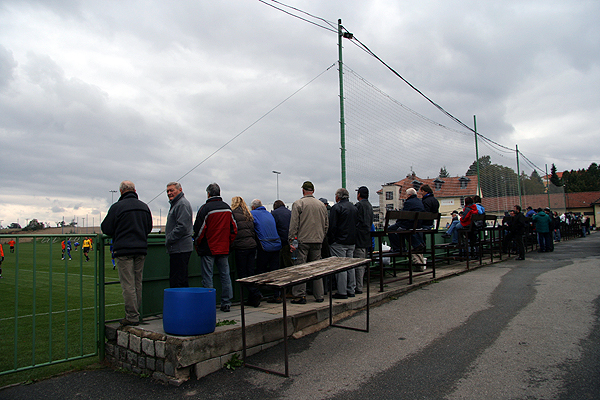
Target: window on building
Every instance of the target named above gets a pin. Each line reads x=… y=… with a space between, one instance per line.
x=462 y=202
x=464 y=181
x=389 y=195
x=376 y=217
x=389 y=206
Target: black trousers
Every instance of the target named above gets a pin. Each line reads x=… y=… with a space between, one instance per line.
x=518 y=238
x=245 y=261
x=178 y=274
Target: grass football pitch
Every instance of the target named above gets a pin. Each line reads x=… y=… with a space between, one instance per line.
x=50 y=309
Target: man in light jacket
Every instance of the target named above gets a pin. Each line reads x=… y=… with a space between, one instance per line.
x=178 y=235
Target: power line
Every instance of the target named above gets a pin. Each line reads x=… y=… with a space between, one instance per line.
x=248 y=127
x=299 y=17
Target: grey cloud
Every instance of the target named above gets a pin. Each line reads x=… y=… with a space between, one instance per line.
x=7 y=67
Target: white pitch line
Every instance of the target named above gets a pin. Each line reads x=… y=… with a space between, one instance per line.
x=57 y=312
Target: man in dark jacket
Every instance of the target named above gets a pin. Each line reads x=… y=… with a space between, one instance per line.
x=282 y=216
x=129 y=222
x=430 y=204
x=342 y=240
x=178 y=235
x=412 y=203
x=214 y=232
x=516 y=228
x=364 y=221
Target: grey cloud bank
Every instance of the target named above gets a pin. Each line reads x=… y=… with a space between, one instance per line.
x=95 y=93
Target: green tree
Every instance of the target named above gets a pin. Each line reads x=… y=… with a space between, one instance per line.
x=483 y=163
x=444 y=173
x=554 y=179
x=532 y=184
x=582 y=180
x=34 y=225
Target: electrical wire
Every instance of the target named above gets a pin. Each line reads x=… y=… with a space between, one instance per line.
x=248 y=127
x=299 y=17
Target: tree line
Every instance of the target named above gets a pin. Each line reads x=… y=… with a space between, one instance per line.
x=497 y=180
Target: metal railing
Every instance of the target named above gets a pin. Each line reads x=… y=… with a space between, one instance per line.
x=51 y=302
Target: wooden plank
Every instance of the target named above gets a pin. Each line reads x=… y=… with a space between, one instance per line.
x=304 y=272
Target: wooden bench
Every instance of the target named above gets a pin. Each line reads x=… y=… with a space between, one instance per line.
x=284 y=278
x=414 y=219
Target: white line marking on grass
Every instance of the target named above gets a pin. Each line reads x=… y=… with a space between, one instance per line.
x=58 y=273
x=57 y=312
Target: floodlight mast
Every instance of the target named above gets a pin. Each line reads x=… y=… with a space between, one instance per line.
x=277 y=173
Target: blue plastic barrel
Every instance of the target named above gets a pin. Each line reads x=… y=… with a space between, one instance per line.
x=189 y=311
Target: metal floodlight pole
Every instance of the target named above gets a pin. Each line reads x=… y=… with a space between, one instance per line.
x=548 y=187
x=277 y=173
x=519 y=176
x=112 y=194
x=477 y=156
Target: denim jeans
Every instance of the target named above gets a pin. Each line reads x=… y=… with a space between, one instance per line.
x=222 y=263
x=346 y=280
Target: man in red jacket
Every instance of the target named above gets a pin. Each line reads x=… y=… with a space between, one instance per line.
x=214 y=232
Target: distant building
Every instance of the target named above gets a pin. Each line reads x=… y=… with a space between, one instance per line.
x=450 y=192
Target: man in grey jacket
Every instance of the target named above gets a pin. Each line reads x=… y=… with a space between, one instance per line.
x=178 y=235
x=308 y=223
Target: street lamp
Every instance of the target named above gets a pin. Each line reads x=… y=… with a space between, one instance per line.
x=277 y=173
x=112 y=194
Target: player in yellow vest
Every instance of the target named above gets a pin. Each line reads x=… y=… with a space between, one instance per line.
x=87 y=246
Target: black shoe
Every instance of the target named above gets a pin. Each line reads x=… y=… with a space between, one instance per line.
x=126 y=322
x=253 y=303
x=226 y=308
x=299 y=300
x=358 y=292
x=317 y=300
x=520 y=258
x=351 y=295
x=340 y=296
x=276 y=300
x=445 y=235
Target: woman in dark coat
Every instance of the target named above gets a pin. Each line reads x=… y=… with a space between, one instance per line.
x=245 y=246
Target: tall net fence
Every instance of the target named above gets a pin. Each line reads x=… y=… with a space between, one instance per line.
x=390 y=147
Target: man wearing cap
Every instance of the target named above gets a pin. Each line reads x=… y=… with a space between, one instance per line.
x=363 y=233
x=309 y=223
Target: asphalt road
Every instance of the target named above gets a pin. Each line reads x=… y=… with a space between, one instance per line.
x=515 y=330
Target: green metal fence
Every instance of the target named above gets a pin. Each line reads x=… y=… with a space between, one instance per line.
x=50 y=301
x=54 y=306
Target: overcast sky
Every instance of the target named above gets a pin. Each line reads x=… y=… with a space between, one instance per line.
x=95 y=92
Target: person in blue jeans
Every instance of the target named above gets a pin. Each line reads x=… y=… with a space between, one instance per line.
x=214 y=232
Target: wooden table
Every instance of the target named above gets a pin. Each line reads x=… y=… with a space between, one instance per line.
x=283 y=278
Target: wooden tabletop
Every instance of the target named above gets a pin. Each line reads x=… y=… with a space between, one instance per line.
x=304 y=272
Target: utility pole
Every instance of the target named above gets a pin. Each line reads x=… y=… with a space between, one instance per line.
x=477 y=156
x=341 y=35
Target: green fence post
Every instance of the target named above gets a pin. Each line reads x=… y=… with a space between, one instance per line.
x=101 y=296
